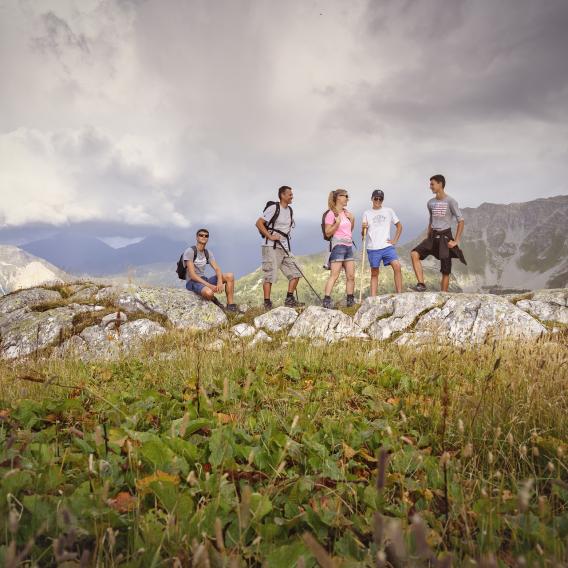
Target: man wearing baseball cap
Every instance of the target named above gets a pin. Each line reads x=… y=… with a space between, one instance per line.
x=380 y=246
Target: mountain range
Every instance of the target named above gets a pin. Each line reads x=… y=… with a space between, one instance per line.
x=19 y=269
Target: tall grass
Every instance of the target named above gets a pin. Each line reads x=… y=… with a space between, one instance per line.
x=477 y=440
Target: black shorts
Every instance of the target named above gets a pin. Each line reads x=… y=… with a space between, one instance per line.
x=431 y=246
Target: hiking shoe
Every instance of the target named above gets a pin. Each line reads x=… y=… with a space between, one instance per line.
x=327 y=303
x=420 y=287
x=233 y=308
x=267 y=304
x=293 y=303
x=350 y=301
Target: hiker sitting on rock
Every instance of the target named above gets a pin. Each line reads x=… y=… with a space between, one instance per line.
x=439 y=242
x=275 y=224
x=196 y=259
x=338 y=224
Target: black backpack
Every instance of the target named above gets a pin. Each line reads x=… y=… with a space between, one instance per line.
x=181 y=269
x=325 y=237
x=270 y=224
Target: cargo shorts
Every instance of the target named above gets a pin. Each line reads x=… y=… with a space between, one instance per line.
x=274 y=259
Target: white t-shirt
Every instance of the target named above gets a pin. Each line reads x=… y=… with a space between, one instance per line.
x=379 y=223
x=282 y=223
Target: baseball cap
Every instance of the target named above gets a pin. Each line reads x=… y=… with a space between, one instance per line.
x=378 y=193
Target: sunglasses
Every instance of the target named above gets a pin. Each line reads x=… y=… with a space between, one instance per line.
x=204 y=235
x=344 y=195
x=377 y=198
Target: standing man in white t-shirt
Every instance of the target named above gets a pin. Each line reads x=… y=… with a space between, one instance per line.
x=275 y=225
x=380 y=246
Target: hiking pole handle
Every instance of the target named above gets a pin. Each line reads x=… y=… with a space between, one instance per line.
x=363 y=262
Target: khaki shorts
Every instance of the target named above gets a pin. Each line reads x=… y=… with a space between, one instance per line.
x=274 y=259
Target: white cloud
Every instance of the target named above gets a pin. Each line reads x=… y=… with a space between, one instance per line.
x=165 y=113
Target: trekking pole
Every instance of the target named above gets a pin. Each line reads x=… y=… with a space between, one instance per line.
x=299 y=270
x=363 y=261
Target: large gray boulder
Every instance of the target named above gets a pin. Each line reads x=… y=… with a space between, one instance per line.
x=183 y=309
x=26 y=299
x=330 y=325
x=473 y=319
x=277 y=319
x=547 y=305
x=25 y=331
x=100 y=342
x=382 y=316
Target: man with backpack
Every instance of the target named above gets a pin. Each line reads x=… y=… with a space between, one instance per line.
x=195 y=260
x=275 y=225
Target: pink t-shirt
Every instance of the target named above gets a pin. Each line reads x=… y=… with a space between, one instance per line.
x=343 y=235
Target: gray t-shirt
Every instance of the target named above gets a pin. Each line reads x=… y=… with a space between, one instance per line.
x=200 y=262
x=283 y=223
x=441 y=212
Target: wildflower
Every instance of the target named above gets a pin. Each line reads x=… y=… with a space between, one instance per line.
x=467 y=452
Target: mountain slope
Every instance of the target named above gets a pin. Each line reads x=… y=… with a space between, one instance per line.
x=513 y=246
x=19 y=269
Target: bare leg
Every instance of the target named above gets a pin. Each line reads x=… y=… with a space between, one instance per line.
x=229 y=281
x=417 y=265
x=445 y=283
x=207 y=293
x=397 y=276
x=266 y=288
x=333 y=276
x=292 y=284
x=349 y=276
x=374 y=281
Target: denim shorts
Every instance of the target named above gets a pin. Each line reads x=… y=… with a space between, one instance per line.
x=341 y=253
x=194 y=286
x=387 y=255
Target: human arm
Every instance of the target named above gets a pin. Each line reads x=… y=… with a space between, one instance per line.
x=459 y=231
x=332 y=222
x=455 y=209
x=261 y=226
x=398 y=226
x=219 y=287
x=192 y=275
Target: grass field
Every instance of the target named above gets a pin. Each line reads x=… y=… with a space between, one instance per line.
x=355 y=454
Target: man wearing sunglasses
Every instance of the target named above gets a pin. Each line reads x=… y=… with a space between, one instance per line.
x=380 y=246
x=196 y=259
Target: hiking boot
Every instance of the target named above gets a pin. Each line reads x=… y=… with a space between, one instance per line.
x=350 y=301
x=420 y=287
x=233 y=308
x=291 y=302
x=267 y=304
x=327 y=303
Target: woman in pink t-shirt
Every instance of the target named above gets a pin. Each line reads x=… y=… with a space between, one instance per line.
x=339 y=224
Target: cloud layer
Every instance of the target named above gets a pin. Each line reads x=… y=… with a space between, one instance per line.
x=171 y=114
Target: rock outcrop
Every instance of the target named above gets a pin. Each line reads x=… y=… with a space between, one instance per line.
x=330 y=325
x=93 y=322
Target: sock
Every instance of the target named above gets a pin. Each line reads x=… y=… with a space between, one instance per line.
x=290 y=295
x=350 y=296
x=216 y=302
x=327 y=297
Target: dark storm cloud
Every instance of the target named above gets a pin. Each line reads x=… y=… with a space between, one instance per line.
x=466 y=62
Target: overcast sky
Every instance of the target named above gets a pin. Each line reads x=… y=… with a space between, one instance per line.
x=163 y=115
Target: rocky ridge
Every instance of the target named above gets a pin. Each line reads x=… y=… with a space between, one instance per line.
x=103 y=322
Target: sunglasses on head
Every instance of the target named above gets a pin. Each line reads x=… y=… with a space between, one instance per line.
x=205 y=235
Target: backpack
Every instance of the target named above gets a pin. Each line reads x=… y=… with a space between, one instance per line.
x=325 y=237
x=270 y=224
x=181 y=269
